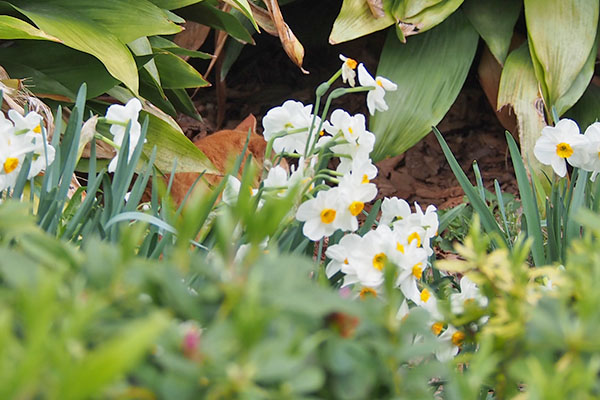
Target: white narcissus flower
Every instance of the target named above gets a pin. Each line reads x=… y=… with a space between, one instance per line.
x=451 y=341
x=393 y=209
x=469 y=292
x=320 y=214
x=375 y=97
x=368 y=262
x=340 y=255
x=348 y=67
x=277 y=178
x=592 y=133
x=290 y=116
x=353 y=196
x=352 y=127
x=30 y=124
x=122 y=115
x=559 y=143
x=361 y=149
x=412 y=263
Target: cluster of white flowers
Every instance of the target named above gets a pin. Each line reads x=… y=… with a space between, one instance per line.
x=402 y=239
x=564 y=142
x=19 y=136
x=119 y=117
x=450 y=338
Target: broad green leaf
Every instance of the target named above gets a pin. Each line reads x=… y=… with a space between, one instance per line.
x=182 y=101
x=172 y=144
x=142 y=47
x=429 y=70
x=43 y=65
x=355 y=20
x=519 y=90
x=126 y=19
x=174 y=4
x=83 y=34
x=561 y=36
x=432 y=16
x=176 y=73
x=410 y=8
x=495 y=21
x=587 y=110
x=14 y=28
x=582 y=81
x=158 y=42
x=244 y=7
x=206 y=13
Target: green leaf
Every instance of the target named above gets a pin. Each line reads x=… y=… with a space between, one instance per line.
x=174 y=4
x=142 y=47
x=561 y=35
x=207 y=14
x=43 y=65
x=243 y=7
x=429 y=71
x=126 y=19
x=14 y=28
x=410 y=8
x=158 y=42
x=355 y=20
x=495 y=21
x=581 y=82
x=587 y=110
x=173 y=144
x=519 y=90
x=529 y=202
x=487 y=219
x=176 y=73
x=111 y=359
x=432 y=16
x=83 y=34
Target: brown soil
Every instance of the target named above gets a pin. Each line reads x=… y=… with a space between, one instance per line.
x=263 y=77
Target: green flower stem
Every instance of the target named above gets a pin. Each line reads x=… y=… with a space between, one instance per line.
x=334 y=95
x=320 y=92
x=113 y=122
x=277 y=136
x=107 y=141
x=320 y=253
x=332 y=172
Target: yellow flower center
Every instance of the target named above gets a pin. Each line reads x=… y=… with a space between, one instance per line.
x=38 y=129
x=288 y=125
x=321 y=133
x=366 y=292
x=327 y=215
x=437 y=328
x=365 y=178
x=378 y=82
x=468 y=301
x=350 y=130
x=400 y=247
x=356 y=207
x=457 y=338
x=425 y=295
x=564 y=150
x=10 y=164
x=351 y=63
x=379 y=261
x=599 y=154
x=414 y=236
x=346 y=261
x=417 y=271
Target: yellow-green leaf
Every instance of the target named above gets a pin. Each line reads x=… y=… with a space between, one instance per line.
x=14 y=28
x=495 y=21
x=519 y=90
x=429 y=71
x=77 y=31
x=355 y=20
x=561 y=36
x=432 y=16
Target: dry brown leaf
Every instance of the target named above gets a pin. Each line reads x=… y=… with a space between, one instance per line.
x=193 y=37
x=376 y=7
x=291 y=44
x=263 y=19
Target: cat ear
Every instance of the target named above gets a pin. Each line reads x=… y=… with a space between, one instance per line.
x=248 y=123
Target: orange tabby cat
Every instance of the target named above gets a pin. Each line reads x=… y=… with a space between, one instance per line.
x=221 y=147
